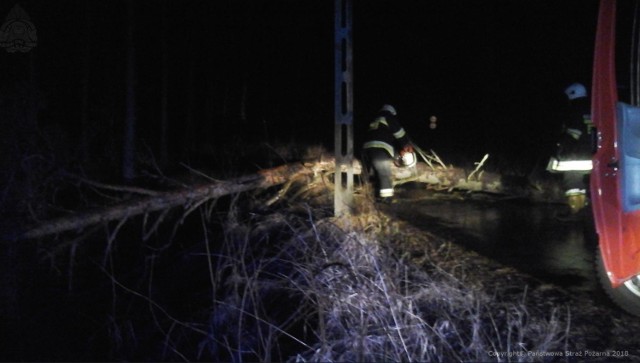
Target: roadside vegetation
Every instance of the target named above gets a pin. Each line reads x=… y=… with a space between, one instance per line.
x=370 y=302
x=250 y=277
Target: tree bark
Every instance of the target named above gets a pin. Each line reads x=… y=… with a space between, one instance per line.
x=263 y=179
x=449 y=178
x=164 y=88
x=86 y=131
x=129 y=145
x=190 y=142
x=446 y=178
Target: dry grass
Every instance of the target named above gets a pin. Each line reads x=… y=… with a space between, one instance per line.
x=288 y=282
x=317 y=289
x=390 y=310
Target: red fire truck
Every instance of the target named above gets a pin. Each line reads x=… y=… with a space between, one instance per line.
x=615 y=178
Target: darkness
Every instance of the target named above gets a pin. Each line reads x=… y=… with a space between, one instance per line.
x=261 y=71
x=245 y=76
x=493 y=72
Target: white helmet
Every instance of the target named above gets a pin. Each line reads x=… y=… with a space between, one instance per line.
x=575 y=90
x=389 y=108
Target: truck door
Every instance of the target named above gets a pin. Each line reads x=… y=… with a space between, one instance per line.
x=615 y=179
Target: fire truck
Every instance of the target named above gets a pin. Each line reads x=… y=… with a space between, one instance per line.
x=615 y=177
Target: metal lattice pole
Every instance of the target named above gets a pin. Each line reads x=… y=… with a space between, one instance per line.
x=343 y=107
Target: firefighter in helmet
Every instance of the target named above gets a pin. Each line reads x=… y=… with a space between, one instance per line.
x=385 y=139
x=574 y=149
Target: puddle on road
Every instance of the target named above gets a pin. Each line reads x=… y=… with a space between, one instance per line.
x=525 y=235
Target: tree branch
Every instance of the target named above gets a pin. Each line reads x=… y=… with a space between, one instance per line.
x=165 y=200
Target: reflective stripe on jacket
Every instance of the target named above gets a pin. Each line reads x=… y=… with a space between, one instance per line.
x=386 y=133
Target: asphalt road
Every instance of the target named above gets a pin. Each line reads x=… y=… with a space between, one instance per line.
x=527 y=236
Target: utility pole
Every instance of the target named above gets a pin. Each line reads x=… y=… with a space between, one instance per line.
x=343 y=107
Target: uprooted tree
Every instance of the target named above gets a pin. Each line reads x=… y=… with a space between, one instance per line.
x=304 y=178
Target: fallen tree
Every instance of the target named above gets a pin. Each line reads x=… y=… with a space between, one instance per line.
x=450 y=177
x=190 y=198
x=311 y=174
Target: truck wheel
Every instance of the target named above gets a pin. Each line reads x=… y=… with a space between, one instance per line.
x=627 y=295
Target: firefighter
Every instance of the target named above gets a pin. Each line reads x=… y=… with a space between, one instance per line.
x=385 y=137
x=574 y=151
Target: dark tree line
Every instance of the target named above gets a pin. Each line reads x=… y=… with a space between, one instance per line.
x=127 y=91
x=114 y=88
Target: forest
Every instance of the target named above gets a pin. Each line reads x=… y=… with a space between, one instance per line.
x=166 y=181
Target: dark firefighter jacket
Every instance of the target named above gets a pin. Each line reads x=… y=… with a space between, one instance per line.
x=386 y=133
x=576 y=140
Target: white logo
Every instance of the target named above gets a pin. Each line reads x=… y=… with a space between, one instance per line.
x=18 y=34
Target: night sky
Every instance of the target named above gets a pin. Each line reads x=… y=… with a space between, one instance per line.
x=243 y=77
x=493 y=72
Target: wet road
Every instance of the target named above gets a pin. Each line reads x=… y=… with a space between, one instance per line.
x=521 y=234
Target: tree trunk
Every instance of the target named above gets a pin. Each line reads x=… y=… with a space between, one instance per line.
x=84 y=89
x=189 y=142
x=445 y=178
x=185 y=197
x=164 y=88
x=243 y=100
x=129 y=146
x=449 y=178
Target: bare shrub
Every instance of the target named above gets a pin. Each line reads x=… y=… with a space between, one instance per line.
x=376 y=307
x=335 y=290
x=244 y=280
